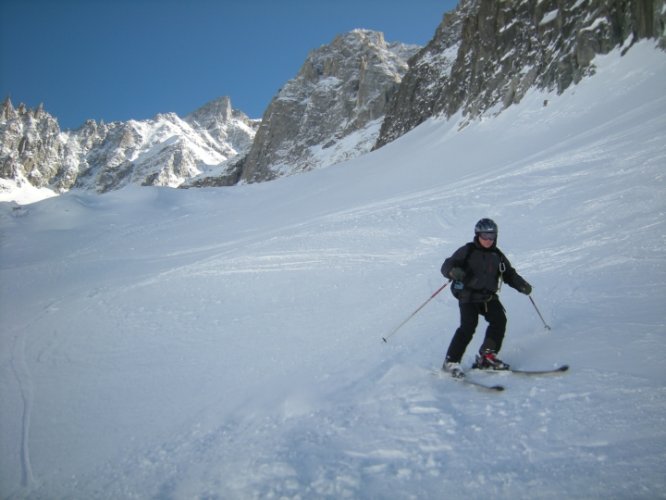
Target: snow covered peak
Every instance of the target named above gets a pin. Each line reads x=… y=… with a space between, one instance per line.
x=340 y=91
x=165 y=150
x=222 y=124
x=218 y=109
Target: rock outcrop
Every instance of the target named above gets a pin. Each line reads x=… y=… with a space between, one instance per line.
x=341 y=92
x=486 y=54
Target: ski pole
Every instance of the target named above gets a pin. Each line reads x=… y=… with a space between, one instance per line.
x=385 y=339
x=539 y=313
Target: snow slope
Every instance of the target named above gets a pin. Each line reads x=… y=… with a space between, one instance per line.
x=226 y=343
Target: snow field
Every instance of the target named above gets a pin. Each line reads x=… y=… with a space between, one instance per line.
x=226 y=343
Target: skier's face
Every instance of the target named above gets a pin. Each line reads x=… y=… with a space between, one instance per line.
x=486 y=240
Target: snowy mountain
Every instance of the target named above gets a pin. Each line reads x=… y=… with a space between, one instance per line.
x=163 y=151
x=350 y=96
x=226 y=343
x=332 y=110
x=486 y=55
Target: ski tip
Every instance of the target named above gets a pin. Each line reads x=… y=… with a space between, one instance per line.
x=497 y=388
x=384 y=339
x=563 y=368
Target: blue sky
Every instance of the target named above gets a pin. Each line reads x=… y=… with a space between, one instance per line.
x=131 y=59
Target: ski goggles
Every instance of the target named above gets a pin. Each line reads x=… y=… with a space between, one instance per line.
x=488 y=236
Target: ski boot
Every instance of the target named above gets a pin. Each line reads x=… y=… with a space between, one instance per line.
x=454 y=369
x=488 y=360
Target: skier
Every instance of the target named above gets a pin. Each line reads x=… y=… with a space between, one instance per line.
x=476 y=270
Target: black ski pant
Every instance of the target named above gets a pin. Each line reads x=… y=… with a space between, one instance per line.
x=493 y=312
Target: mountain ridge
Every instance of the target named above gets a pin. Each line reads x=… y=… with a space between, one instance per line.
x=353 y=95
x=486 y=54
x=341 y=89
x=160 y=151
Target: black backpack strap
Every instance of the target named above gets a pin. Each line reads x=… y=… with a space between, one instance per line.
x=502 y=260
x=470 y=248
x=502 y=267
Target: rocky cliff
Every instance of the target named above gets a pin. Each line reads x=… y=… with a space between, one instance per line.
x=486 y=54
x=332 y=109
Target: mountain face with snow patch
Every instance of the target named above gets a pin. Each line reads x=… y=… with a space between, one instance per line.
x=162 y=151
x=486 y=54
x=350 y=96
x=331 y=111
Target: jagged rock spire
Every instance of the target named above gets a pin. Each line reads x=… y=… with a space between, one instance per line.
x=7 y=112
x=340 y=89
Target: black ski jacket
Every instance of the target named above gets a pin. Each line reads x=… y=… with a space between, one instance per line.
x=482 y=271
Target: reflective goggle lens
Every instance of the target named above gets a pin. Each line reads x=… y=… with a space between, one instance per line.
x=488 y=236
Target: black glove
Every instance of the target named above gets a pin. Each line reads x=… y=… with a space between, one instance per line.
x=457 y=274
x=526 y=288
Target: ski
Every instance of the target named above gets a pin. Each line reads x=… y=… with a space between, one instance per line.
x=468 y=381
x=552 y=371
x=559 y=369
x=479 y=385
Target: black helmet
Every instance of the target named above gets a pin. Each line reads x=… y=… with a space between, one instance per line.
x=485 y=226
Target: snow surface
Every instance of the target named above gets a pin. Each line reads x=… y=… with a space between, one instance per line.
x=226 y=343
x=22 y=192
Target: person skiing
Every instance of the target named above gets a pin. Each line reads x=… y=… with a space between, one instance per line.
x=476 y=269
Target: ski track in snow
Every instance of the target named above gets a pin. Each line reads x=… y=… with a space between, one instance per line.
x=26 y=388
x=227 y=343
